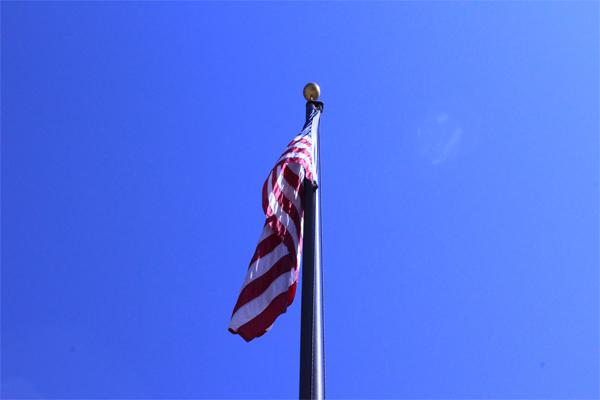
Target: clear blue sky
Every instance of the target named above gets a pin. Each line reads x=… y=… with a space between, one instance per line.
x=460 y=150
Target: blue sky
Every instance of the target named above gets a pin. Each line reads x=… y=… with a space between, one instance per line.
x=460 y=196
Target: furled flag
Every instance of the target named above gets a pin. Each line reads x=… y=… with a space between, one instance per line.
x=272 y=276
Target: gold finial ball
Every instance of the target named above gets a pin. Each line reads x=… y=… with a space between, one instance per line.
x=312 y=91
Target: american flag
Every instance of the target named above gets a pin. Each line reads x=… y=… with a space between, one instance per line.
x=272 y=276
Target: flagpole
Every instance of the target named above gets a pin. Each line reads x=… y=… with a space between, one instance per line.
x=312 y=362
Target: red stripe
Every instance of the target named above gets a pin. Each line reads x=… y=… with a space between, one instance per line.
x=292 y=179
x=300 y=161
x=292 y=290
x=265 y=192
x=286 y=237
x=287 y=175
x=262 y=283
x=295 y=160
x=282 y=230
x=302 y=140
x=265 y=247
x=258 y=326
x=304 y=151
x=288 y=206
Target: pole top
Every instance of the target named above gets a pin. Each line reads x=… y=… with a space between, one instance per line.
x=312 y=91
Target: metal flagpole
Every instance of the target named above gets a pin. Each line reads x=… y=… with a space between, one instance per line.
x=312 y=364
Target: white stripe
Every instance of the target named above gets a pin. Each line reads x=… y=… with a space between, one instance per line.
x=302 y=136
x=298 y=249
x=281 y=215
x=264 y=263
x=295 y=155
x=297 y=169
x=289 y=192
x=286 y=221
x=266 y=232
x=257 y=305
x=299 y=146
